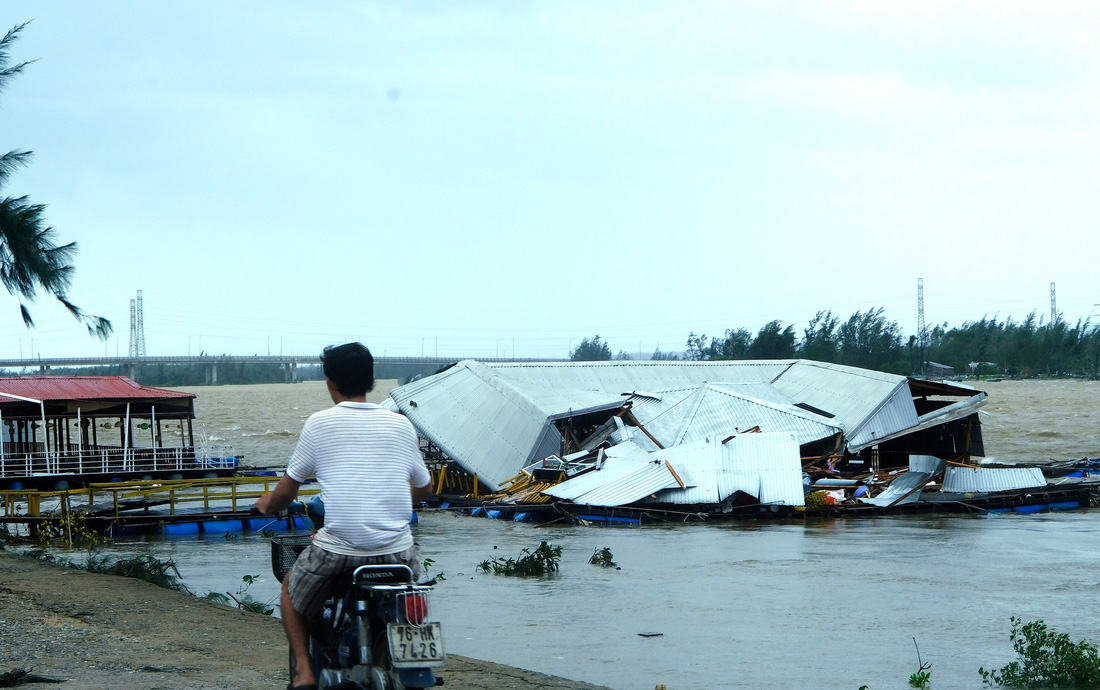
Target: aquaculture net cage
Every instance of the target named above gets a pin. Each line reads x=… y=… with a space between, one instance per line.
x=284 y=551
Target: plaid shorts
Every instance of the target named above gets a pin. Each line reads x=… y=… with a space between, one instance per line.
x=316 y=571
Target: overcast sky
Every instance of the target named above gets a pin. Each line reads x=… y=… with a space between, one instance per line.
x=499 y=178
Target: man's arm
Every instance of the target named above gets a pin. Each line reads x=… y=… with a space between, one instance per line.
x=284 y=494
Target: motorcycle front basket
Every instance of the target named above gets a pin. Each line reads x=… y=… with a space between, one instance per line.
x=284 y=551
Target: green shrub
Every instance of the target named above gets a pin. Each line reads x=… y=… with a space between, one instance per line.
x=1047 y=659
x=160 y=573
x=153 y=570
x=541 y=561
x=242 y=599
x=603 y=557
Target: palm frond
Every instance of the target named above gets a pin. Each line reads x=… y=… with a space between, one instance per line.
x=10 y=161
x=6 y=73
x=30 y=258
x=98 y=327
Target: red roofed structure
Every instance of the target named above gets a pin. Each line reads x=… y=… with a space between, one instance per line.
x=57 y=429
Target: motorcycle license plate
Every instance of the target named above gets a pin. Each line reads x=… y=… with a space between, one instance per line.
x=412 y=645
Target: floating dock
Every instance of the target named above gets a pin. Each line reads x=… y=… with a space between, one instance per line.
x=172 y=507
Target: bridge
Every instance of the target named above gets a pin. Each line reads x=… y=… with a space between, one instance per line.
x=401 y=368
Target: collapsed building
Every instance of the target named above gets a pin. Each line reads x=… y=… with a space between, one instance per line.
x=714 y=436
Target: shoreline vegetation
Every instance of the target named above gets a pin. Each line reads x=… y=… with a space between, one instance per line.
x=988 y=347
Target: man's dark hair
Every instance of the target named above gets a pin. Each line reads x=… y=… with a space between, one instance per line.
x=350 y=367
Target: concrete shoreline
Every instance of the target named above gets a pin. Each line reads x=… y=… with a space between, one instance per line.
x=106 y=631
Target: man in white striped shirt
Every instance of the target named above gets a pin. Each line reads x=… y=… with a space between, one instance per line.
x=368 y=463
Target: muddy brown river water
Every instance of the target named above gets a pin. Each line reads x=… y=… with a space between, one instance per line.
x=831 y=603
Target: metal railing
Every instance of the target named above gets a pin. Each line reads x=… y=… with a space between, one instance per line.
x=104 y=460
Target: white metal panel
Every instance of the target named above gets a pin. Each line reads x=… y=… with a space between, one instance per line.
x=626 y=376
x=848 y=393
x=894 y=414
x=906 y=488
x=929 y=464
x=643 y=481
x=620 y=460
x=721 y=410
x=628 y=474
x=765 y=465
x=988 y=479
x=485 y=431
x=957 y=410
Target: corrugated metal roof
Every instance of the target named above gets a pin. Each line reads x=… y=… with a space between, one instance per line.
x=851 y=395
x=628 y=474
x=618 y=377
x=765 y=465
x=985 y=479
x=489 y=432
x=957 y=410
x=906 y=488
x=724 y=409
x=894 y=414
x=495 y=419
x=929 y=464
x=63 y=388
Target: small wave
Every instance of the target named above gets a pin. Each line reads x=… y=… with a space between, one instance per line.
x=269 y=432
x=1045 y=434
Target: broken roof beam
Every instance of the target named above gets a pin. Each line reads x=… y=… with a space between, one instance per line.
x=626 y=414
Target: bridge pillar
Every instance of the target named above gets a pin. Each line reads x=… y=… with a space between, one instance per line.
x=212 y=374
x=44 y=370
x=290 y=372
x=131 y=371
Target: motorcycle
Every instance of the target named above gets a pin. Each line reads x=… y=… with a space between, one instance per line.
x=375 y=632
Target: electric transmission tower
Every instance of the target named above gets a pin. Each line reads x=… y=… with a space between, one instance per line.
x=1053 y=306
x=922 y=330
x=137 y=328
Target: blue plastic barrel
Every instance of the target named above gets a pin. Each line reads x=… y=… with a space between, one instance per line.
x=1065 y=505
x=222 y=526
x=268 y=524
x=176 y=529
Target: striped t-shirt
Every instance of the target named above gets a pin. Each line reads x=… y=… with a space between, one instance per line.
x=364 y=457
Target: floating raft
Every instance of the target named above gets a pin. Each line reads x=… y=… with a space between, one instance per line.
x=1069 y=496
x=170 y=507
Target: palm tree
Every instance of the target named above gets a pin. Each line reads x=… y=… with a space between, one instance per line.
x=30 y=258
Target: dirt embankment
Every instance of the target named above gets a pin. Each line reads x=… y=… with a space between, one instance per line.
x=104 y=631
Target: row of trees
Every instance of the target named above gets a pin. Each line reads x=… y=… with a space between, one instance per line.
x=869 y=340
